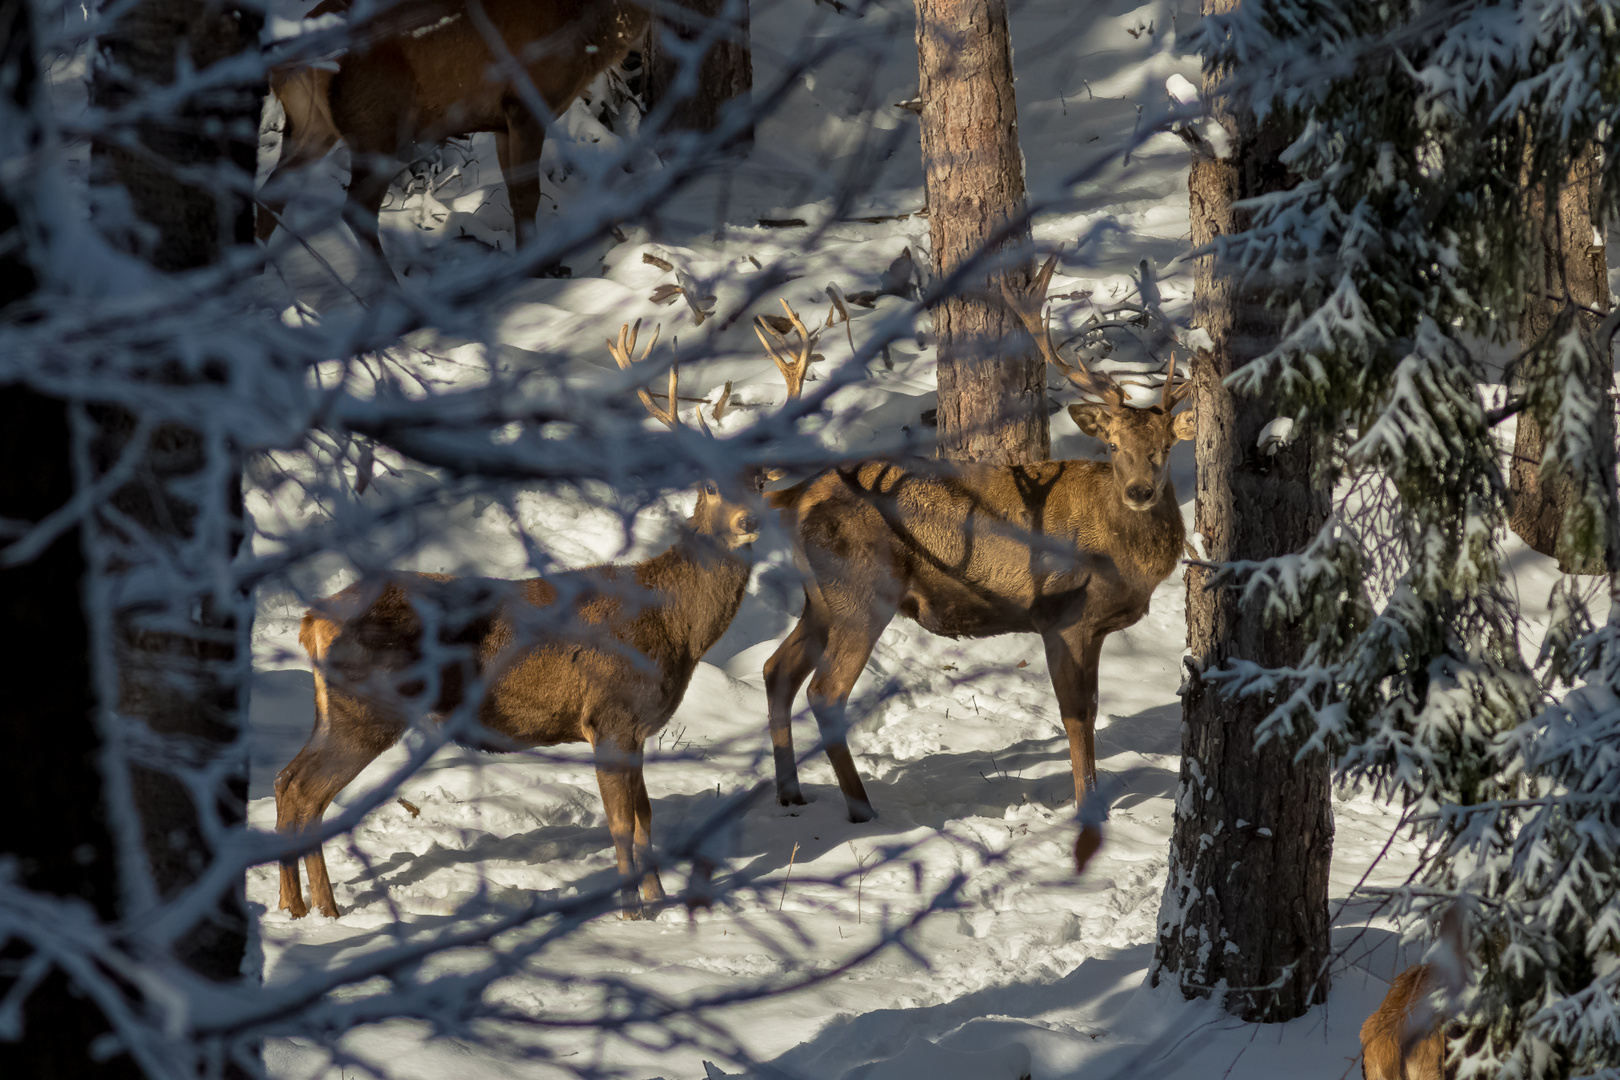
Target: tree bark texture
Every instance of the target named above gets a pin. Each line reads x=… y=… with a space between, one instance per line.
x=992 y=381
x=1573 y=265
x=54 y=823
x=186 y=176
x=1245 y=904
x=727 y=70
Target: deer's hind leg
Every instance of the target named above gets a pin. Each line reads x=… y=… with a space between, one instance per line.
x=519 y=152
x=785 y=672
x=347 y=737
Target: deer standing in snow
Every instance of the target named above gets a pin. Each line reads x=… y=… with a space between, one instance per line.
x=1069 y=550
x=421 y=71
x=600 y=655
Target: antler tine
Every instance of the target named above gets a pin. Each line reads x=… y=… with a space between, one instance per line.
x=1028 y=305
x=1171 y=392
x=621 y=353
x=796 y=368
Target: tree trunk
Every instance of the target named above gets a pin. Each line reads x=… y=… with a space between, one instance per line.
x=727 y=71
x=992 y=382
x=1246 y=900
x=1573 y=265
x=55 y=820
x=182 y=684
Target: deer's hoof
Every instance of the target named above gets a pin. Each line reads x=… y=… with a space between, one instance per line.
x=791 y=796
x=860 y=813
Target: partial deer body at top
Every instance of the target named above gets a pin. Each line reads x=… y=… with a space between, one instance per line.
x=1069 y=550
x=421 y=71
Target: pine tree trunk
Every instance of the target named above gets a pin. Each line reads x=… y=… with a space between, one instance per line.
x=1246 y=899
x=727 y=71
x=181 y=684
x=55 y=821
x=1573 y=264
x=992 y=382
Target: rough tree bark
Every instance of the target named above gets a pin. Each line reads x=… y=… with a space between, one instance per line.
x=1574 y=269
x=1246 y=899
x=54 y=823
x=181 y=684
x=992 y=382
x=727 y=71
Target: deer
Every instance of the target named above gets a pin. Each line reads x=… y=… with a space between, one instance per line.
x=421 y=71
x=1405 y=1039
x=601 y=655
x=1069 y=550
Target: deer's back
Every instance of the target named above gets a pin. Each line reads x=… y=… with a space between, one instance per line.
x=972 y=551
x=1384 y=1032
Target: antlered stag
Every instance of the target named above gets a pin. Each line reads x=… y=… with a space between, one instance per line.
x=421 y=71
x=1069 y=550
x=600 y=655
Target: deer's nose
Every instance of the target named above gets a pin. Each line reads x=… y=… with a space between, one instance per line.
x=748 y=523
x=1139 y=493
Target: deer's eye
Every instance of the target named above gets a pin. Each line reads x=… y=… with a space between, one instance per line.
x=1112 y=448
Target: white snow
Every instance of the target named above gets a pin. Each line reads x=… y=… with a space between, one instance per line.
x=1036 y=973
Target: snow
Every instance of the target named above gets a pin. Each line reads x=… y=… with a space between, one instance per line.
x=1033 y=972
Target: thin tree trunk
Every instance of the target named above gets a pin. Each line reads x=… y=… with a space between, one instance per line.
x=55 y=821
x=992 y=382
x=182 y=684
x=1573 y=266
x=727 y=71
x=1246 y=900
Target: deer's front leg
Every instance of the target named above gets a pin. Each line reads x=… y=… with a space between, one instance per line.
x=785 y=672
x=1072 y=656
x=618 y=772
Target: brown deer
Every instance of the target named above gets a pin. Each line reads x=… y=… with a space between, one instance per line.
x=1405 y=1039
x=421 y=71
x=600 y=655
x=1069 y=550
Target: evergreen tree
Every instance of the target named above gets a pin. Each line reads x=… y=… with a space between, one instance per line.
x=1406 y=242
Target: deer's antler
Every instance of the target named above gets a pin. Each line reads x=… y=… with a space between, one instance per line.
x=1027 y=306
x=621 y=355
x=793 y=368
x=1172 y=392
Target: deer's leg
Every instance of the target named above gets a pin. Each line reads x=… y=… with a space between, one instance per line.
x=618 y=774
x=652 y=889
x=1072 y=658
x=371 y=170
x=520 y=166
x=346 y=739
x=785 y=672
x=298 y=151
x=849 y=644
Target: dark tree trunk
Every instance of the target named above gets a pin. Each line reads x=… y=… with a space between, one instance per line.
x=1573 y=266
x=1246 y=900
x=54 y=823
x=181 y=684
x=727 y=71
x=992 y=382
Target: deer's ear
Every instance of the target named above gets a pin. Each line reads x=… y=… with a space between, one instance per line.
x=1184 y=426
x=1091 y=418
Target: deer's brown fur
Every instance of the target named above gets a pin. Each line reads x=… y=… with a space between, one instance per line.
x=422 y=71
x=600 y=655
x=1069 y=550
x=1405 y=1039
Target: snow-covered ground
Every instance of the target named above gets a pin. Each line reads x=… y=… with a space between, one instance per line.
x=1036 y=972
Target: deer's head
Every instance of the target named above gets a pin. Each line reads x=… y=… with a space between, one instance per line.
x=733 y=524
x=1138 y=439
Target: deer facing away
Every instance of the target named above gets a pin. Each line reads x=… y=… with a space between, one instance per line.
x=600 y=655
x=422 y=71
x=1069 y=550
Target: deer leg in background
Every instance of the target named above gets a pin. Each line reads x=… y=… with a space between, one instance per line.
x=652 y=889
x=849 y=645
x=272 y=196
x=616 y=770
x=785 y=672
x=370 y=173
x=520 y=166
x=334 y=755
x=1071 y=656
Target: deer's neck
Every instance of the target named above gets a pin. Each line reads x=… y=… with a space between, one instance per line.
x=704 y=585
x=1146 y=544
